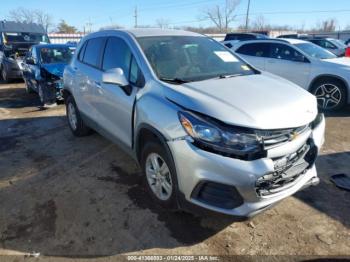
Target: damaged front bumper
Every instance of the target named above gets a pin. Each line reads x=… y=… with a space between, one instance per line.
x=56 y=87
x=245 y=188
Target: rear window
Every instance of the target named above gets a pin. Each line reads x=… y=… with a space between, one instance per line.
x=255 y=49
x=92 y=54
x=231 y=37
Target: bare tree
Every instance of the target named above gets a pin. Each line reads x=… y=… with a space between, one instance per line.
x=43 y=19
x=222 y=15
x=260 y=24
x=162 y=23
x=24 y=15
x=328 y=25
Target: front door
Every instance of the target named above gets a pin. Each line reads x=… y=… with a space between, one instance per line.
x=114 y=105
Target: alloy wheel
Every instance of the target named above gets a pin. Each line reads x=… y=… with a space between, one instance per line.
x=328 y=96
x=159 y=177
x=72 y=116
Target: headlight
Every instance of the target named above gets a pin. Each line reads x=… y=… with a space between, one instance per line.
x=213 y=136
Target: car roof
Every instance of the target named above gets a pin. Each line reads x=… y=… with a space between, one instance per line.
x=51 y=45
x=143 y=32
x=293 y=41
x=271 y=40
x=257 y=34
x=17 y=27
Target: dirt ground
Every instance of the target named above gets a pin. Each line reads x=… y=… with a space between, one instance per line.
x=69 y=197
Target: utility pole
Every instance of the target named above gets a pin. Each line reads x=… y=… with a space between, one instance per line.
x=135 y=16
x=247 y=17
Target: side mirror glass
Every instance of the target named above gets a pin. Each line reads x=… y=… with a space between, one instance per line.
x=115 y=76
x=300 y=58
x=30 y=61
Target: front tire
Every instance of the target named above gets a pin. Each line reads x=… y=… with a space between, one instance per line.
x=29 y=90
x=160 y=174
x=331 y=94
x=75 y=122
x=4 y=75
x=41 y=94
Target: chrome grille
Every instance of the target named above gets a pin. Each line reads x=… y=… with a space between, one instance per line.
x=274 y=138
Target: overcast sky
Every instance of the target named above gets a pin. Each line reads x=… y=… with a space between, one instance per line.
x=182 y=12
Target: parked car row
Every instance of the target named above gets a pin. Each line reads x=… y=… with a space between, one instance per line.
x=306 y=64
x=26 y=52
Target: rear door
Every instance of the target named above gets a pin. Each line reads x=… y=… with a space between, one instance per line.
x=287 y=62
x=89 y=76
x=114 y=105
x=254 y=53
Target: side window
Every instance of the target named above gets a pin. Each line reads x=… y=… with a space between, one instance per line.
x=93 y=51
x=136 y=77
x=81 y=52
x=329 y=45
x=281 y=51
x=254 y=49
x=117 y=55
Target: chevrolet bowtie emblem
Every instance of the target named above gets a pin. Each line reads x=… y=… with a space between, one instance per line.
x=293 y=136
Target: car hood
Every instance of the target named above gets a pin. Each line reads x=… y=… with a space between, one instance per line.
x=342 y=61
x=261 y=101
x=55 y=69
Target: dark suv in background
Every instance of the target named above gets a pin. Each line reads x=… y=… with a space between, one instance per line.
x=15 y=41
x=233 y=38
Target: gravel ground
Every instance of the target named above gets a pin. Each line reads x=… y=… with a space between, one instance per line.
x=69 y=197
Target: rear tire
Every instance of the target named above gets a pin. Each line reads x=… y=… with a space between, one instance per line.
x=160 y=174
x=75 y=122
x=331 y=94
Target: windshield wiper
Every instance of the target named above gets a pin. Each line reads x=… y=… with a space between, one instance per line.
x=174 y=80
x=229 y=76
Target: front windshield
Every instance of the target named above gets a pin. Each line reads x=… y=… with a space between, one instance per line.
x=55 y=55
x=191 y=58
x=25 y=38
x=315 y=51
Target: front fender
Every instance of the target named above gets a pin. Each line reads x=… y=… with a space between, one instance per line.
x=159 y=113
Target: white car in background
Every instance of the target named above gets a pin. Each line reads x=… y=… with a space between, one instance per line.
x=304 y=63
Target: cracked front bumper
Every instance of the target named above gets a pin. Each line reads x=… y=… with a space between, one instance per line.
x=195 y=166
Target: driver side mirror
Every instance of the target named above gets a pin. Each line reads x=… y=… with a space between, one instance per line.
x=300 y=58
x=30 y=61
x=116 y=76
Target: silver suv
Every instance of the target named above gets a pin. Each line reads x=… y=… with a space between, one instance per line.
x=205 y=126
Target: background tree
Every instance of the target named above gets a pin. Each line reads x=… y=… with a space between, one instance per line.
x=328 y=25
x=162 y=23
x=222 y=15
x=64 y=28
x=24 y=15
x=260 y=24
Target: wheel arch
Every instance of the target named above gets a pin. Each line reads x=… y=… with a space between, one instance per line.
x=66 y=93
x=146 y=132
x=328 y=76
